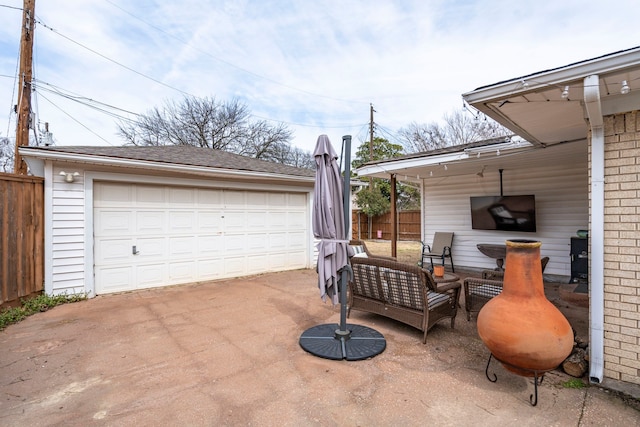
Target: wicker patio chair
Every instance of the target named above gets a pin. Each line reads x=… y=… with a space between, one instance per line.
x=479 y=290
x=361 y=250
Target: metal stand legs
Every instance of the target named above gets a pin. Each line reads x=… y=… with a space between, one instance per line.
x=537 y=379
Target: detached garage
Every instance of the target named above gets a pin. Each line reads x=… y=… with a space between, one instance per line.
x=126 y=218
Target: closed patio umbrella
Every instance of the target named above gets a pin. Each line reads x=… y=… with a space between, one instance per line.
x=330 y=225
x=328 y=220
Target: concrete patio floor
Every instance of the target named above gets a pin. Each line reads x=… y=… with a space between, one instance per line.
x=227 y=353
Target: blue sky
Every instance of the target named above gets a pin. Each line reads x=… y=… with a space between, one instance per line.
x=313 y=65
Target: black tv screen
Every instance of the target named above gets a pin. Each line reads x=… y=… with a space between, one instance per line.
x=505 y=213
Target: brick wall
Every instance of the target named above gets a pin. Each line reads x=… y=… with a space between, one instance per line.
x=622 y=247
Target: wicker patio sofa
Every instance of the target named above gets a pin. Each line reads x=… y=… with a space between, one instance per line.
x=403 y=292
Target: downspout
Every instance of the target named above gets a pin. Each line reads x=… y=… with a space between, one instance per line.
x=596 y=232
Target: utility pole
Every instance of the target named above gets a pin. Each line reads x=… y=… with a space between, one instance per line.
x=26 y=71
x=371 y=111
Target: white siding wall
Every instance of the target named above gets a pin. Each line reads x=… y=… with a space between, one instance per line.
x=67 y=228
x=562 y=208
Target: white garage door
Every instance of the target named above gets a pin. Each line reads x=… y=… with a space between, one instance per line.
x=148 y=235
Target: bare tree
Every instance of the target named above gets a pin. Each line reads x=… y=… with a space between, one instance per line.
x=205 y=122
x=459 y=128
x=7 y=153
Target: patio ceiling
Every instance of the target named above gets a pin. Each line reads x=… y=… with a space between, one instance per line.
x=533 y=107
x=484 y=159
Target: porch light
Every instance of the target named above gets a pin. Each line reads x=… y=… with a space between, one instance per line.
x=68 y=176
x=565 y=92
x=625 y=88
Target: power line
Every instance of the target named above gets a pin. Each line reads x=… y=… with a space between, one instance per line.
x=112 y=60
x=75 y=120
x=11 y=7
x=160 y=82
x=82 y=99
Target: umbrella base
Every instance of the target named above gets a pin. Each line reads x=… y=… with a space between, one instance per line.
x=356 y=343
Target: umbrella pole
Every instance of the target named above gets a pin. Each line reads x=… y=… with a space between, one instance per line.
x=346 y=192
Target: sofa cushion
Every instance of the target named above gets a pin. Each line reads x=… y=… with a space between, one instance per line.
x=435 y=299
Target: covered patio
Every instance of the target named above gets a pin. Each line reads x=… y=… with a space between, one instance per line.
x=576 y=151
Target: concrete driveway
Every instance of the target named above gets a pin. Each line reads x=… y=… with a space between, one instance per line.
x=227 y=353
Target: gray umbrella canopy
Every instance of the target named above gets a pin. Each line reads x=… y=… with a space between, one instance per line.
x=329 y=219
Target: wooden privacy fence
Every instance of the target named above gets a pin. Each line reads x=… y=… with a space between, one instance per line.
x=22 y=239
x=408 y=226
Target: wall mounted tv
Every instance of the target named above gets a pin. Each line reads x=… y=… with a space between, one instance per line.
x=506 y=213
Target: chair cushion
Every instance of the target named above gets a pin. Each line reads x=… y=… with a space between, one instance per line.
x=358 y=249
x=486 y=290
x=435 y=299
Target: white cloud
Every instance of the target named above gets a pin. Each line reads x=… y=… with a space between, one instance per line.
x=315 y=65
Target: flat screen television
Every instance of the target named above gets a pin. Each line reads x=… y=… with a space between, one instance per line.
x=505 y=213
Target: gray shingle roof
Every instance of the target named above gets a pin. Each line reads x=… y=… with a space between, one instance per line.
x=186 y=155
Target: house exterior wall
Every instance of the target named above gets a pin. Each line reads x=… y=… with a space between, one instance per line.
x=561 y=210
x=622 y=247
x=65 y=232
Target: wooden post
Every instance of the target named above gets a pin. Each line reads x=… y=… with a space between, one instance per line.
x=394 y=220
x=24 y=88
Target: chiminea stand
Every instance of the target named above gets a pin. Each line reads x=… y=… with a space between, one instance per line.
x=537 y=377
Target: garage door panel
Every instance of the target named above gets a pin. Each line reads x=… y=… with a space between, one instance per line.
x=209 y=221
x=182 y=247
x=296 y=259
x=113 y=250
x=182 y=272
x=277 y=241
x=151 y=275
x=210 y=198
x=235 y=199
x=234 y=266
x=182 y=196
x=256 y=220
x=235 y=243
x=277 y=199
x=210 y=269
x=149 y=196
x=113 y=222
x=234 y=220
x=115 y=279
x=151 y=247
x=297 y=200
x=257 y=200
x=182 y=222
x=278 y=261
x=257 y=263
x=296 y=240
x=296 y=220
x=256 y=242
x=277 y=220
x=110 y=194
x=209 y=246
x=150 y=222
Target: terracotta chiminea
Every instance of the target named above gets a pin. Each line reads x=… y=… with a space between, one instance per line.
x=521 y=328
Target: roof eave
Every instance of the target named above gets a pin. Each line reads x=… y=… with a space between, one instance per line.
x=557 y=77
x=35 y=159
